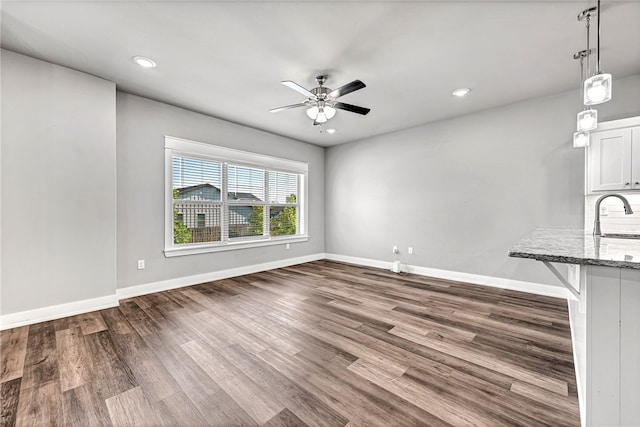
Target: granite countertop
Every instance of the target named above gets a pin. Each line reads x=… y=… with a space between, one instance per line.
x=573 y=246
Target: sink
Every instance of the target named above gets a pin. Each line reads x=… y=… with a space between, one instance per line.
x=622 y=236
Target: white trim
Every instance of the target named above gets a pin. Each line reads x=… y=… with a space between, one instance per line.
x=231 y=245
x=618 y=124
x=29 y=317
x=225 y=156
x=474 y=279
x=43 y=314
x=229 y=154
x=367 y=262
x=168 y=199
x=180 y=282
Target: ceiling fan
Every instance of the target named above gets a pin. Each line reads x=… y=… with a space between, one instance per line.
x=321 y=101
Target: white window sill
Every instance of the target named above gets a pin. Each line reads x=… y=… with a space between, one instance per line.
x=231 y=245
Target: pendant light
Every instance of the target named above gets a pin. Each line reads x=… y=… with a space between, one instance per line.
x=587 y=119
x=597 y=88
x=580 y=139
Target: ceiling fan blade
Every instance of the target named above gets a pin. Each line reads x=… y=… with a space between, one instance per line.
x=288 y=107
x=351 y=108
x=298 y=88
x=348 y=88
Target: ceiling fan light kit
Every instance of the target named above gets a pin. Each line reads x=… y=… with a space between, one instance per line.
x=321 y=101
x=321 y=112
x=594 y=89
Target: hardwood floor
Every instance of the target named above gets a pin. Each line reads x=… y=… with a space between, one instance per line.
x=318 y=344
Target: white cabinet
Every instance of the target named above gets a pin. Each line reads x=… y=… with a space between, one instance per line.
x=630 y=348
x=635 y=158
x=606 y=339
x=614 y=156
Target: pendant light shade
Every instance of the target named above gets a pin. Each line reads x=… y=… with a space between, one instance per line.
x=597 y=89
x=587 y=120
x=580 y=139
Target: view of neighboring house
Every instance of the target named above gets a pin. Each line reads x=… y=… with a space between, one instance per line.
x=198 y=208
x=190 y=209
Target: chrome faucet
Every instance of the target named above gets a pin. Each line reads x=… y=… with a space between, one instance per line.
x=627 y=211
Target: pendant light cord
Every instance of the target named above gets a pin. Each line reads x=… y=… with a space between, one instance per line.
x=598 y=42
x=588 y=48
x=582 y=106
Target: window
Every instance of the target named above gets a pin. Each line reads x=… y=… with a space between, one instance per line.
x=283 y=198
x=219 y=199
x=201 y=221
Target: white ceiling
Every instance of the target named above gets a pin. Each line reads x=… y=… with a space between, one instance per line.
x=227 y=59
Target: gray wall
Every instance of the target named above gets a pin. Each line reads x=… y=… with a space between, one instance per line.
x=460 y=191
x=142 y=125
x=58 y=185
x=463 y=191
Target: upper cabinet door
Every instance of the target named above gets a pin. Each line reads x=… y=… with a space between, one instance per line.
x=635 y=158
x=610 y=160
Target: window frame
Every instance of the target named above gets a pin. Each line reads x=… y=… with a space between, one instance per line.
x=186 y=148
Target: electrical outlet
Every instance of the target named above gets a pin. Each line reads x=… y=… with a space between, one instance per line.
x=604 y=210
x=140 y=264
x=396 y=267
x=395 y=249
x=288 y=246
x=410 y=250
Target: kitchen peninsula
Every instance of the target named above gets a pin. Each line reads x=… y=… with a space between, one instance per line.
x=604 y=277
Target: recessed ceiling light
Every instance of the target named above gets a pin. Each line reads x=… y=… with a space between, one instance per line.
x=461 y=92
x=144 y=62
x=331 y=131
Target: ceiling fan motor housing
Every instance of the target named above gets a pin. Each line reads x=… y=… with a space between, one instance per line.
x=320 y=92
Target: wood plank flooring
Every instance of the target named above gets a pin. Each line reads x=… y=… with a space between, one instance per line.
x=317 y=344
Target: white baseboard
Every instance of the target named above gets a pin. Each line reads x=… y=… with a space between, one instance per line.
x=367 y=262
x=495 y=282
x=14 y=320
x=22 y=318
x=164 y=285
x=43 y=314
